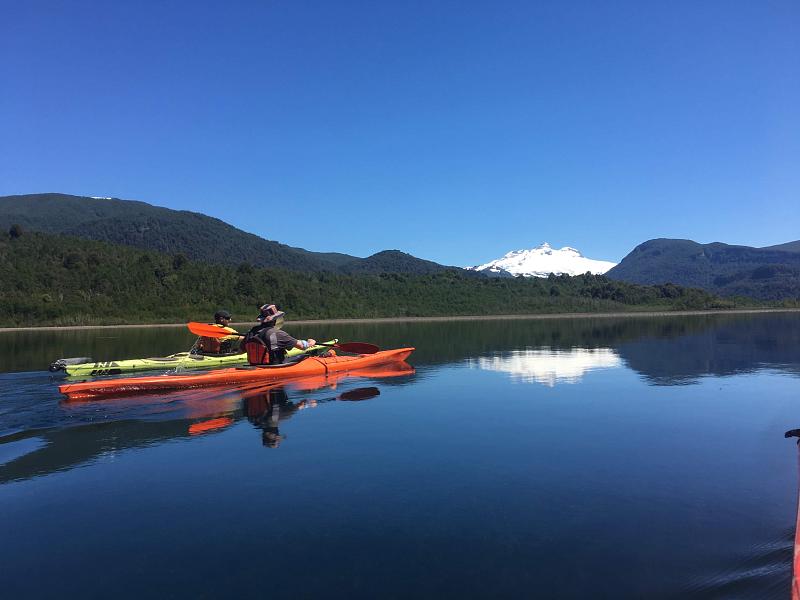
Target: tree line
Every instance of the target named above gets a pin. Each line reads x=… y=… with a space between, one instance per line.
x=61 y=280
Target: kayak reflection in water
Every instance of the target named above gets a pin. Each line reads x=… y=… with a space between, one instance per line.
x=80 y=432
x=228 y=344
x=266 y=410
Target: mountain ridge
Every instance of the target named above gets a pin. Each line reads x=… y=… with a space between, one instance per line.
x=769 y=273
x=193 y=234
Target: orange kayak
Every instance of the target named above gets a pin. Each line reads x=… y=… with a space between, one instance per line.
x=311 y=366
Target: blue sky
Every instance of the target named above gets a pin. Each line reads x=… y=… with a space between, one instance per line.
x=455 y=131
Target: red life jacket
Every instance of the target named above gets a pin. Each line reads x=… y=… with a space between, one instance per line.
x=257 y=351
x=261 y=346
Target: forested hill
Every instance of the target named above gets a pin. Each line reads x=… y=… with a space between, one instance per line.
x=771 y=273
x=195 y=235
x=394 y=261
x=787 y=247
x=59 y=280
x=142 y=225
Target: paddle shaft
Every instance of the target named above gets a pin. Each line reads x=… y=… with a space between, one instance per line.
x=204 y=329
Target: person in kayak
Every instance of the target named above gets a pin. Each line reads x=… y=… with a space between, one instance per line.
x=267 y=343
x=224 y=345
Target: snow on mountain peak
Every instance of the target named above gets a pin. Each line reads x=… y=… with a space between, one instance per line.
x=543 y=260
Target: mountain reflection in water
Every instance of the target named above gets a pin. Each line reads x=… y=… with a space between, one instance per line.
x=550 y=366
x=720 y=348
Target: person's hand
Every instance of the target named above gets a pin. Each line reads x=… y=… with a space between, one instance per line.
x=311 y=342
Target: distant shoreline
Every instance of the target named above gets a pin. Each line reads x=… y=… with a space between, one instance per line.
x=582 y=315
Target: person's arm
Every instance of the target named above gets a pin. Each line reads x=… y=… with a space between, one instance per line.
x=285 y=341
x=305 y=344
x=235 y=335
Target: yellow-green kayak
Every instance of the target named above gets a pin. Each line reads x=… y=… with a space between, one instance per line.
x=182 y=360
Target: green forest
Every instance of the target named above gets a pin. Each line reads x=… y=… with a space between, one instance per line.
x=60 y=280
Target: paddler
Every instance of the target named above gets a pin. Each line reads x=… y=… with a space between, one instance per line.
x=267 y=343
x=223 y=345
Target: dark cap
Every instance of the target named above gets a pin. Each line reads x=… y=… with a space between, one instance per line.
x=222 y=314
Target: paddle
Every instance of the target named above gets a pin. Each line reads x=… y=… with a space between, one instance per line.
x=207 y=330
x=355 y=395
x=204 y=329
x=359 y=394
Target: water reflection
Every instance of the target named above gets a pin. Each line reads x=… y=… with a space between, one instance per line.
x=730 y=347
x=549 y=366
x=665 y=350
x=148 y=420
x=267 y=410
x=450 y=463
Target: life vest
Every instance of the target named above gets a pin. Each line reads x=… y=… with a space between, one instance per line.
x=257 y=351
x=261 y=346
x=212 y=345
x=208 y=345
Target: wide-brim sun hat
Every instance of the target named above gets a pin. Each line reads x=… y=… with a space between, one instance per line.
x=269 y=312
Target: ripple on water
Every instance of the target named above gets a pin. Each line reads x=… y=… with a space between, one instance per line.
x=765 y=571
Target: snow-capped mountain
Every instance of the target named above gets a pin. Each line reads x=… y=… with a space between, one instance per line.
x=543 y=260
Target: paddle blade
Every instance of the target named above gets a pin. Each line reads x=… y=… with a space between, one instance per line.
x=209 y=425
x=359 y=394
x=207 y=330
x=358 y=347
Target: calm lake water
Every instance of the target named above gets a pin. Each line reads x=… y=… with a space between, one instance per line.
x=606 y=458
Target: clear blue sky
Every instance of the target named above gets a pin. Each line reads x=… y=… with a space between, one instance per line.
x=455 y=131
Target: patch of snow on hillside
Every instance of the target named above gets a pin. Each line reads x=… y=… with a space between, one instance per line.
x=543 y=260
